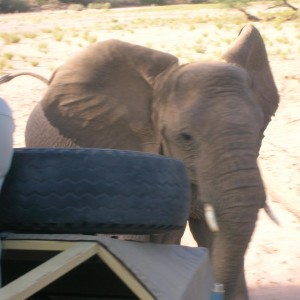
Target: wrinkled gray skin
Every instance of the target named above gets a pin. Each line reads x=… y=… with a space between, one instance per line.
x=210 y=115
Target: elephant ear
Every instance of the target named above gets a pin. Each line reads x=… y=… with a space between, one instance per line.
x=249 y=52
x=103 y=96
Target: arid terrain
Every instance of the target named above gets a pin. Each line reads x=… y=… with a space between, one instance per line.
x=39 y=42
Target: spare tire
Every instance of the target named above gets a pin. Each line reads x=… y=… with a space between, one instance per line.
x=62 y=190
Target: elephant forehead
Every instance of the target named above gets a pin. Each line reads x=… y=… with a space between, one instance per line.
x=202 y=86
x=211 y=75
x=202 y=93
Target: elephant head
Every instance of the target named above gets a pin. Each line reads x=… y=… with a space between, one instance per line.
x=211 y=115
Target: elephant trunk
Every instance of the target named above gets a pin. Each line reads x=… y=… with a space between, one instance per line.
x=240 y=195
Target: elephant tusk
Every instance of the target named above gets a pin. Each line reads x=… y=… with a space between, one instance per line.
x=210 y=217
x=271 y=214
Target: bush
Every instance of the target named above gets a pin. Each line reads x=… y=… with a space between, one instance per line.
x=10 y=38
x=9 y=6
x=154 y=2
x=77 y=7
x=82 y=2
x=105 y=5
x=41 y=2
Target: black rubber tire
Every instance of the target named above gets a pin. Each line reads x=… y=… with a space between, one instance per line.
x=91 y=191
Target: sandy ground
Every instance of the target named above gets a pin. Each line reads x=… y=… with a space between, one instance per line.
x=273 y=257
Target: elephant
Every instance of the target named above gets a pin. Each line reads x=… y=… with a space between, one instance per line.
x=210 y=115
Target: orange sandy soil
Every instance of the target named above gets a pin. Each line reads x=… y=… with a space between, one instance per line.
x=273 y=257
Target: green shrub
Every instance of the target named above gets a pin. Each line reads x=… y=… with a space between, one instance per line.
x=34 y=63
x=233 y=3
x=10 y=38
x=30 y=35
x=82 y=2
x=58 y=36
x=77 y=7
x=106 y=5
x=9 y=6
x=154 y=2
x=8 y=55
x=43 y=47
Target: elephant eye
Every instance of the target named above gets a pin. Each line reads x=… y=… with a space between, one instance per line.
x=186 y=136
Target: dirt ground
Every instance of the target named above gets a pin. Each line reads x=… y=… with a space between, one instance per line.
x=273 y=257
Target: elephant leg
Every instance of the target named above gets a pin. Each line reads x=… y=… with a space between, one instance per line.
x=201 y=233
x=40 y=133
x=172 y=237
